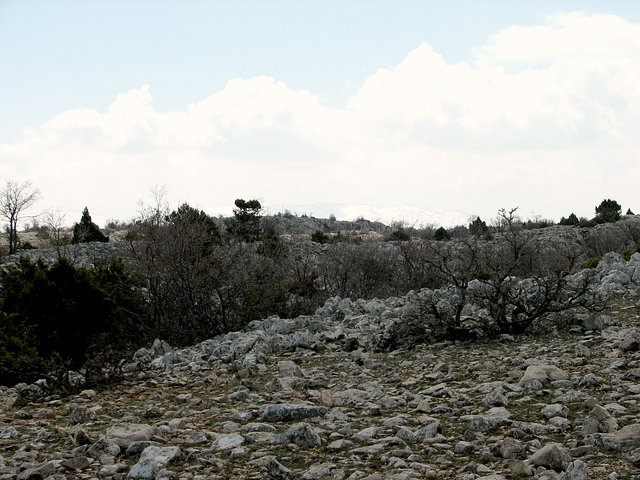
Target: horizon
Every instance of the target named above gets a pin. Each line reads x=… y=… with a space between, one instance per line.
x=418 y=111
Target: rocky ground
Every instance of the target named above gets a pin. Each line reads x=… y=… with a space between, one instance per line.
x=308 y=398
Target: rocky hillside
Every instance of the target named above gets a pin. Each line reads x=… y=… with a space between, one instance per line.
x=313 y=398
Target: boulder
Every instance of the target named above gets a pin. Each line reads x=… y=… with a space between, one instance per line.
x=152 y=460
x=550 y=456
x=125 y=434
x=542 y=373
x=301 y=434
x=286 y=412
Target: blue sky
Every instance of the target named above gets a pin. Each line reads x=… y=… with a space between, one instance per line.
x=331 y=62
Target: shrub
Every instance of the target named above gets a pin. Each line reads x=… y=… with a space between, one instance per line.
x=59 y=312
x=400 y=236
x=608 y=211
x=571 y=220
x=441 y=234
x=319 y=237
x=592 y=262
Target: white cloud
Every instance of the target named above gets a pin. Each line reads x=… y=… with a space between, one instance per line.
x=545 y=117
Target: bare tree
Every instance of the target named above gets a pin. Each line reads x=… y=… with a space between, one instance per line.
x=54 y=221
x=15 y=198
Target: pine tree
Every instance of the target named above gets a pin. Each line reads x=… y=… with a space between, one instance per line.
x=87 y=231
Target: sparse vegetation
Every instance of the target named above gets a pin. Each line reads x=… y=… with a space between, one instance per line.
x=201 y=276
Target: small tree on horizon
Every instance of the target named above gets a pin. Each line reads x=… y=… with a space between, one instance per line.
x=441 y=234
x=478 y=228
x=570 y=220
x=87 y=231
x=608 y=211
x=245 y=223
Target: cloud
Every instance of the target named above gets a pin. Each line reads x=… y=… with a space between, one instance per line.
x=529 y=88
x=544 y=117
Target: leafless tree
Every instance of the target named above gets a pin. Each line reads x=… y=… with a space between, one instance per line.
x=15 y=198
x=54 y=223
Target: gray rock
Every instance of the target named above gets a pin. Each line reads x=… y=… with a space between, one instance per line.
x=287 y=368
x=276 y=471
x=160 y=347
x=599 y=420
x=594 y=322
x=125 y=434
x=429 y=429
x=152 y=461
x=78 y=414
x=38 y=472
x=542 y=373
x=366 y=434
x=550 y=456
x=287 y=412
x=324 y=471
x=80 y=437
x=630 y=344
x=301 y=434
x=103 y=446
x=76 y=463
x=228 y=441
x=555 y=410
x=136 y=448
x=495 y=398
x=510 y=448
x=577 y=471
x=9 y=432
x=625 y=439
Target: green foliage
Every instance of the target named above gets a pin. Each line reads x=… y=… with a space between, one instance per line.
x=187 y=217
x=608 y=211
x=585 y=222
x=320 y=237
x=19 y=359
x=399 y=236
x=441 y=234
x=478 y=228
x=26 y=246
x=245 y=224
x=87 y=231
x=570 y=220
x=592 y=262
x=271 y=245
x=54 y=314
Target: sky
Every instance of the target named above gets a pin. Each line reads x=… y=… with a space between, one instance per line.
x=425 y=112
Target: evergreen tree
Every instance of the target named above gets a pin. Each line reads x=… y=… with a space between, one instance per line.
x=441 y=234
x=608 y=211
x=479 y=228
x=245 y=224
x=571 y=220
x=87 y=231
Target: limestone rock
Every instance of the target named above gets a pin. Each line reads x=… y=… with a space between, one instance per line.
x=125 y=434
x=228 y=441
x=301 y=434
x=152 y=460
x=543 y=374
x=283 y=412
x=551 y=456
